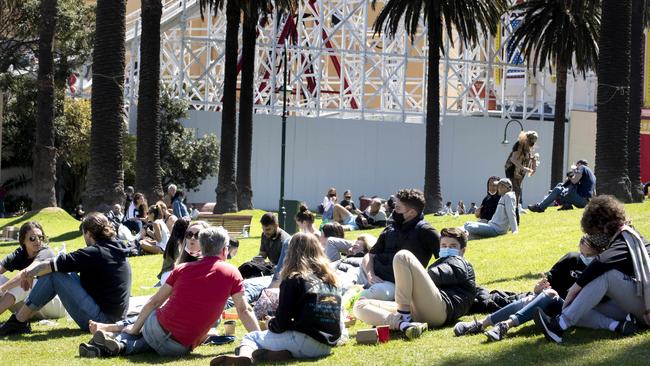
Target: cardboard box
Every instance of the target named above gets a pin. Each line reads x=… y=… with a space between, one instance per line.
x=367 y=336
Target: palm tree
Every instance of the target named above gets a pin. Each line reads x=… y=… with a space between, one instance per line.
x=614 y=99
x=105 y=182
x=553 y=32
x=639 y=9
x=253 y=10
x=468 y=19
x=147 y=167
x=44 y=162
x=226 y=186
x=246 y=102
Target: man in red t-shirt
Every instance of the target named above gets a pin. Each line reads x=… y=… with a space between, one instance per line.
x=193 y=296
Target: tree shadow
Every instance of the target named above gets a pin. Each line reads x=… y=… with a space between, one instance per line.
x=525 y=276
x=19 y=219
x=46 y=335
x=70 y=235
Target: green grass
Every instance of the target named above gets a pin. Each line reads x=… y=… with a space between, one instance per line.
x=511 y=262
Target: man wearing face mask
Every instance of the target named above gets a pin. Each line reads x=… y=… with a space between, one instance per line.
x=425 y=297
x=408 y=231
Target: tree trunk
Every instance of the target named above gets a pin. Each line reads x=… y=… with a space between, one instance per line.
x=613 y=99
x=636 y=101
x=105 y=180
x=557 y=160
x=432 y=193
x=245 y=131
x=226 y=187
x=44 y=162
x=147 y=162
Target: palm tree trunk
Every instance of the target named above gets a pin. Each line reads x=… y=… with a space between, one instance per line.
x=147 y=163
x=245 y=131
x=432 y=194
x=105 y=180
x=44 y=162
x=557 y=160
x=636 y=101
x=226 y=187
x=613 y=99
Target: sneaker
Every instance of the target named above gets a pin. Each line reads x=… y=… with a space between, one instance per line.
x=231 y=360
x=268 y=355
x=415 y=330
x=465 y=328
x=550 y=326
x=498 y=332
x=535 y=208
x=13 y=326
x=87 y=350
x=565 y=207
x=104 y=340
x=628 y=326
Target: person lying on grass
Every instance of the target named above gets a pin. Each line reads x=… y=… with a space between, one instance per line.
x=548 y=295
x=621 y=272
x=425 y=297
x=33 y=247
x=178 y=317
x=308 y=321
x=100 y=291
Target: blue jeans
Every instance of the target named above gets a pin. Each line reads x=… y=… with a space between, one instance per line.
x=154 y=337
x=299 y=344
x=522 y=310
x=481 y=229
x=252 y=289
x=567 y=196
x=77 y=302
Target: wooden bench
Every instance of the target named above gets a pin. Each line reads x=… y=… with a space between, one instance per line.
x=236 y=225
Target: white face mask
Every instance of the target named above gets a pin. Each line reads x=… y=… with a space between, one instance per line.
x=193 y=254
x=586 y=260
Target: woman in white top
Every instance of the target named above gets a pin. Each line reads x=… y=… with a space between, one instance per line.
x=155 y=234
x=505 y=217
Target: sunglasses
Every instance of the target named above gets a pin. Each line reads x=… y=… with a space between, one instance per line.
x=39 y=237
x=190 y=235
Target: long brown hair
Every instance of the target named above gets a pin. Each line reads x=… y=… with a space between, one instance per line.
x=305 y=257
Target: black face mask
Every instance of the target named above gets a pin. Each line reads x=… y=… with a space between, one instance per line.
x=398 y=219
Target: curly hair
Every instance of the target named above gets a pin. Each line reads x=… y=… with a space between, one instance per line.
x=413 y=198
x=603 y=215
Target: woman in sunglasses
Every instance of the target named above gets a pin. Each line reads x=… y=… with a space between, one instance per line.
x=184 y=247
x=32 y=247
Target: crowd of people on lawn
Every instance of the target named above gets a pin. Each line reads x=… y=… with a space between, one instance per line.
x=292 y=296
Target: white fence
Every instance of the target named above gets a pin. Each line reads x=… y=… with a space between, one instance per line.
x=375 y=158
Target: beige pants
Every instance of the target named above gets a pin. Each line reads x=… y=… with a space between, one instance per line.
x=414 y=292
x=52 y=310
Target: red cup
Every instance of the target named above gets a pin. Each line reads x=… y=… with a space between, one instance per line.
x=383 y=333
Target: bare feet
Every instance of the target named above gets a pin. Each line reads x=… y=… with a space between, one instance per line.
x=110 y=328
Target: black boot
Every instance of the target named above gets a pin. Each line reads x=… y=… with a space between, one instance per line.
x=13 y=326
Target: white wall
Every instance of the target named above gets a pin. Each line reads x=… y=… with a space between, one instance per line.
x=375 y=158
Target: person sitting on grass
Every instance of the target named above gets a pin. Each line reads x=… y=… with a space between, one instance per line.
x=101 y=290
x=348 y=203
x=548 y=295
x=33 y=247
x=305 y=220
x=504 y=218
x=408 y=231
x=155 y=234
x=178 y=317
x=576 y=191
x=621 y=272
x=490 y=202
x=425 y=297
x=308 y=321
x=184 y=249
x=373 y=217
x=272 y=238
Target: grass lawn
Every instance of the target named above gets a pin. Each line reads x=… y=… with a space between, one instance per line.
x=511 y=262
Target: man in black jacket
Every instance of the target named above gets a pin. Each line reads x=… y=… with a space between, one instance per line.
x=423 y=298
x=408 y=232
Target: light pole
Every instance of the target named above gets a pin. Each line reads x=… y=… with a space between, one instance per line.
x=505 y=130
x=283 y=212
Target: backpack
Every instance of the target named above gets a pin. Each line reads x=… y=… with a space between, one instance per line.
x=253 y=269
x=489 y=302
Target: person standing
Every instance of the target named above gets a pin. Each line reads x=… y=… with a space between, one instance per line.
x=522 y=161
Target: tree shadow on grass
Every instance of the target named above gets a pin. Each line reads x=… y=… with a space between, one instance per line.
x=46 y=335
x=19 y=219
x=10 y=243
x=70 y=235
x=525 y=276
x=151 y=357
